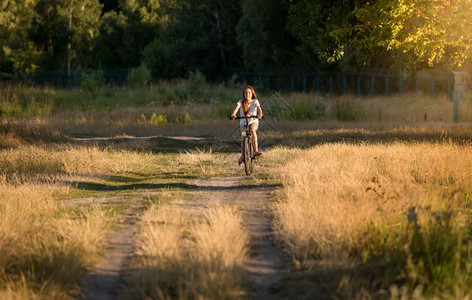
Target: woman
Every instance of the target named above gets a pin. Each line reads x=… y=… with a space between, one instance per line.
x=249 y=106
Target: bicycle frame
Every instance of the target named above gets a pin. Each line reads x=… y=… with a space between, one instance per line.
x=247 y=145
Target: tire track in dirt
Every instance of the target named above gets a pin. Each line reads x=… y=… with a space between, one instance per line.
x=104 y=279
x=265 y=264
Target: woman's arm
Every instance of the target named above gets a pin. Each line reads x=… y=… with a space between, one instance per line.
x=260 y=114
x=235 y=110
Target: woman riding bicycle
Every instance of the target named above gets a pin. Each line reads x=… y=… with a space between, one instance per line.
x=249 y=106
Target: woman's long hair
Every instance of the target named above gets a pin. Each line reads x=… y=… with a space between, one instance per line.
x=245 y=101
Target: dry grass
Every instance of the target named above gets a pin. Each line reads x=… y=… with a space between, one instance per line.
x=44 y=249
x=348 y=188
x=180 y=257
x=347 y=199
x=27 y=161
x=347 y=202
x=203 y=163
x=121 y=112
x=405 y=108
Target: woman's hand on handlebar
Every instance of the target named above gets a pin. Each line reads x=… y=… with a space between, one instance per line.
x=233 y=117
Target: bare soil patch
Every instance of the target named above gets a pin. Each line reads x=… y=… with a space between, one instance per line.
x=104 y=279
x=266 y=264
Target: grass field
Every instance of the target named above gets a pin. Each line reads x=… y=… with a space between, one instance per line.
x=374 y=197
x=379 y=216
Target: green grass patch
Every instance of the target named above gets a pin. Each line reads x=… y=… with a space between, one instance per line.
x=435 y=257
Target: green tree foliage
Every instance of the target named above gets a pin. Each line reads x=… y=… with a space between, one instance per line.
x=420 y=33
x=66 y=31
x=174 y=37
x=404 y=34
x=197 y=34
x=18 y=54
x=143 y=19
x=108 y=50
x=262 y=35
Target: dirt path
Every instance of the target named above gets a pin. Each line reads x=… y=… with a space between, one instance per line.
x=104 y=279
x=266 y=262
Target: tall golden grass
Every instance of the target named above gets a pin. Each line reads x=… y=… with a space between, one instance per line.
x=33 y=161
x=407 y=108
x=202 y=163
x=45 y=249
x=184 y=256
x=345 y=187
x=344 y=202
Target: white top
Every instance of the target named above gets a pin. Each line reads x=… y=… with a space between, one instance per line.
x=252 y=111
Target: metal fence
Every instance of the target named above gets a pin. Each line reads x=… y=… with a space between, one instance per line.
x=336 y=83
x=340 y=83
x=61 y=79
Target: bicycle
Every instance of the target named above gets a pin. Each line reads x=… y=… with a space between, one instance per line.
x=248 y=151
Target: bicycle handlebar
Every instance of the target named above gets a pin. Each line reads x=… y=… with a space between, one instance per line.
x=245 y=117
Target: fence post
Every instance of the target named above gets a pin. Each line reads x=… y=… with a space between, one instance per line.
x=344 y=84
x=448 y=88
x=386 y=86
x=454 y=107
x=460 y=87
x=372 y=86
x=432 y=88
x=292 y=82
x=358 y=85
x=330 y=84
x=401 y=85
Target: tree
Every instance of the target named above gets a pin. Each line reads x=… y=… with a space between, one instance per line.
x=143 y=18
x=421 y=33
x=404 y=34
x=107 y=51
x=323 y=28
x=262 y=34
x=66 y=30
x=17 y=53
x=198 y=34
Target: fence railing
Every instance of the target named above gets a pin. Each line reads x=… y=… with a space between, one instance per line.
x=61 y=79
x=339 y=83
x=347 y=83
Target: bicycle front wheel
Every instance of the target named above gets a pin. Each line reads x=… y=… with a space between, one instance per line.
x=252 y=153
x=247 y=156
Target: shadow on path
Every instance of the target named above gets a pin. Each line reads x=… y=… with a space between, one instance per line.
x=92 y=186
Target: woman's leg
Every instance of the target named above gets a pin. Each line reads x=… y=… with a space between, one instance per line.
x=241 y=158
x=253 y=127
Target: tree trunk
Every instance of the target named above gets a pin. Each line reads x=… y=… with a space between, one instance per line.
x=220 y=37
x=69 y=44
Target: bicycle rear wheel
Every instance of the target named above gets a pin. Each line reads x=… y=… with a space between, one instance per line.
x=247 y=156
